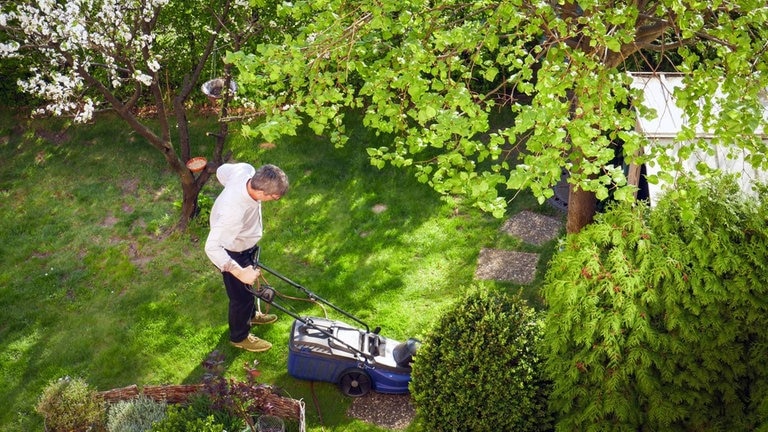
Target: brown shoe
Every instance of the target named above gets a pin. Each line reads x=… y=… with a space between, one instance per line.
x=261 y=318
x=252 y=343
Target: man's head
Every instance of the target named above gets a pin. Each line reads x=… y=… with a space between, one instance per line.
x=270 y=180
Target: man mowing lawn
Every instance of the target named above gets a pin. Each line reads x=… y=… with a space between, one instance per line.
x=236 y=228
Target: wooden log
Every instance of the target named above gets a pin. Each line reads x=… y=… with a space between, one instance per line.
x=162 y=393
x=171 y=393
x=279 y=406
x=272 y=404
x=120 y=394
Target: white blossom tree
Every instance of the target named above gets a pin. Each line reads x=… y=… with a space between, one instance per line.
x=88 y=55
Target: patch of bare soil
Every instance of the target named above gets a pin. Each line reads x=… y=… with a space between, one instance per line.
x=384 y=410
x=109 y=221
x=54 y=137
x=136 y=256
x=129 y=187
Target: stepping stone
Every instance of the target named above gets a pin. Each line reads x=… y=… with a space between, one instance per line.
x=504 y=265
x=532 y=228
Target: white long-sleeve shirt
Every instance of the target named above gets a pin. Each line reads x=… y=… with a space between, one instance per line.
x=235 y=217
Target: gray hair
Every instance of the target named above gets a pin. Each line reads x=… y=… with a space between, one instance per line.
x=271 y=180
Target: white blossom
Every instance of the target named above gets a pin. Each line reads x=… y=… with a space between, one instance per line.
x=6 y=17
x=153 y=65
x=75 y=35
x=142 y=77
x=9 y=49
x=86 y=113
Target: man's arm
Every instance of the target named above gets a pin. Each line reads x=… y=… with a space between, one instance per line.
x=219 y=237
x=220 y=258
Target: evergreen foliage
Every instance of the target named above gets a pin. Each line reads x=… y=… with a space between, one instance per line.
x=478 y=369
x=656 y=318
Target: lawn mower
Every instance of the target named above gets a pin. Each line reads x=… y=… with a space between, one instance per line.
x=357 y=359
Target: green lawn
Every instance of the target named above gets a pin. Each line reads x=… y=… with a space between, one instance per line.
x=92 y=285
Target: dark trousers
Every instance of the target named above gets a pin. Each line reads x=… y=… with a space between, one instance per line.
x=241 y=300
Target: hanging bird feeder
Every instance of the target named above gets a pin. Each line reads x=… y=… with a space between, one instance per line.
x=214 y=88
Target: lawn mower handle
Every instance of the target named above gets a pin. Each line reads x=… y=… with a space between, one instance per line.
x=307 y=321
x=310 y=294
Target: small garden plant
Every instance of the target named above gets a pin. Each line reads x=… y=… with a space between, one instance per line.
x=70 y=404
x=136 y=415
x=187 y=419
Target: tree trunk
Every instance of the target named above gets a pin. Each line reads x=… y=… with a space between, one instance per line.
x=582 y=206
x=189 y=207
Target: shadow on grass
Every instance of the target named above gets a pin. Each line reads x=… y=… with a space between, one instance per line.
x=222 y=346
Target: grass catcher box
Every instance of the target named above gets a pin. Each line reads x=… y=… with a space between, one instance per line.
x=357 y=360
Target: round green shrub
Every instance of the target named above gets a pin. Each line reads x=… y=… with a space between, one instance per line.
x=69 y=404
x=479 y=370
x=135 y=415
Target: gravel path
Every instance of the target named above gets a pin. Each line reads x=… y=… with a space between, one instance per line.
x=390 y=411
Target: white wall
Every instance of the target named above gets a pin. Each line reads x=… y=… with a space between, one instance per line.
x=658 y=89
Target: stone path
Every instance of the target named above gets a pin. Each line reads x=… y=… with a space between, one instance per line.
x=532 y=228
x=518 y=267
x=504 y=265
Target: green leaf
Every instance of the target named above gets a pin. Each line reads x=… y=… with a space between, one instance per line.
x=613 y=44
x=426 y=113
x=490 y=73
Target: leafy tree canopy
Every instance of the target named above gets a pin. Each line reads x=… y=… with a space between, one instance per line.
x=429 y=75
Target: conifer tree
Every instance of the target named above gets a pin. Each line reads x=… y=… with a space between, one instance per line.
x=656 y=318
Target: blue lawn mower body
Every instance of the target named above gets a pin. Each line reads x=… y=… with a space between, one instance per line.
x=355 y=358
x=358 y=361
